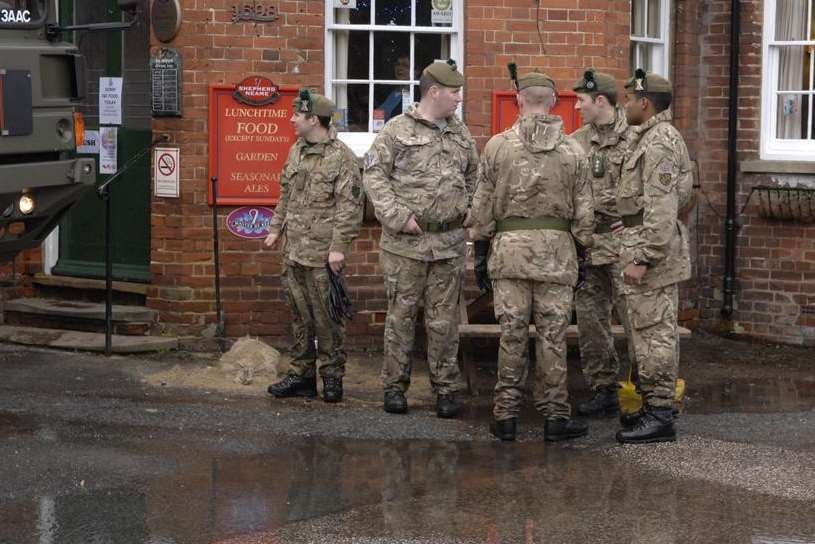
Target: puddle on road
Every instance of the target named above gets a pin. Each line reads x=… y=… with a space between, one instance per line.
x=779 y=395
x=331 y=490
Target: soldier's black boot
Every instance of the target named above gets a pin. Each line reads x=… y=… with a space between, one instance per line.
x=628 y=420
x=395 y=402
x=294 y=386
x=504 y=429
x=446 y=406
x=332 y=389
x=655 y=425
x=603 y=403
x=563 y=428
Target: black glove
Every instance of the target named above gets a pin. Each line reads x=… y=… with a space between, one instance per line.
x=480 y=250
x=339 y=305
x=582 y=263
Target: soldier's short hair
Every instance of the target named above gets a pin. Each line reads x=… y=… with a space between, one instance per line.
x=611 y=96
x=538 y=96
x=425 y=82
x=661 y=101
x=325 y=122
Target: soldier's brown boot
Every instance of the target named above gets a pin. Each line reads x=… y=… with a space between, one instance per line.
x=656 y=425
x=556 y=429
x=504 y=429
x=294 y=386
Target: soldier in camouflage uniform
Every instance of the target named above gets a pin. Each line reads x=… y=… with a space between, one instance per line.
x=533 y=200
x=654 y=254
x=419 y=175
x=318 y=215
x=604 y=138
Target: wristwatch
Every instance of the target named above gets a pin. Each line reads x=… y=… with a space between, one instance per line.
x=641 y=262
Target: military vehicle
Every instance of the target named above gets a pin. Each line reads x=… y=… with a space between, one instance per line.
x=42 y=81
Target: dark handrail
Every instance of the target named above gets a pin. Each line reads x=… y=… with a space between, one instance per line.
x=103 y=191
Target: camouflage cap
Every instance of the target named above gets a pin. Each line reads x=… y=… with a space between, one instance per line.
x=445 y=73
x=595 y=82
x=643 y=82
x=535 y=79
x=313 y=103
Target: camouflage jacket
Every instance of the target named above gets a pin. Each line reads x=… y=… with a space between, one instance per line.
x=531 y=170
x=416 y=168
x=605 y=148
x=656 y=182
x=320 y=207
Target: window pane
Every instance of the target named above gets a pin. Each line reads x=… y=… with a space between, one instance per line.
x=642 y=56
x=426 y=15
x=352 y=107
x=793 y=69
x=351 y=54
x=393 y=12
x=791 y=20
x=390 y=101
x=391 y=55
x=430 y=47
x=792 y=112
x=654 y=18
x=361 y=15
x=638 y=17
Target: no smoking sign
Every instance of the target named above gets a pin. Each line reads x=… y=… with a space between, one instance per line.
x=165 y=171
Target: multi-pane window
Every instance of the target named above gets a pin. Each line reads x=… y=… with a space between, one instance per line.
x=788 y=88
x=649 y=35
x=376 y=50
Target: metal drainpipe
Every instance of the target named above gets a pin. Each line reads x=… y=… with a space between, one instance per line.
x=730 y=225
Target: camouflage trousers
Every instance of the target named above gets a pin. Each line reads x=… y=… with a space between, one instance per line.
x=654 y=338
x=593 y=305
x=549 y=306
x=408 y=284
x=307 y=290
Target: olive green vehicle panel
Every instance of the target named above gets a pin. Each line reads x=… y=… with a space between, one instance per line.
x=37 y=159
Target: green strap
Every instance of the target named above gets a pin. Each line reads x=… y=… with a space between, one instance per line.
x=441 y=227
x=634 y=220
x=542 y=222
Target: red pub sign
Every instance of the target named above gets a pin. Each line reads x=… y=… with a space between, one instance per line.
x=249 y=139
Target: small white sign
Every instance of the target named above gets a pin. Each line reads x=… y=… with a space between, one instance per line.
x=90 y=143
x=110 y=101
x=345 y=4
x=108 y=149
x=441 y=16
x=165 y=171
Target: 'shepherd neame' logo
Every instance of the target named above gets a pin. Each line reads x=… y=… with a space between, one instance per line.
x=250 y=222
x=256 y=91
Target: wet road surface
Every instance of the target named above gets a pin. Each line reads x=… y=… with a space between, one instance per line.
x=90 y=454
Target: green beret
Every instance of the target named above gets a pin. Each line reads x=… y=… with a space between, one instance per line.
x=313 y=103
x=595 y=82
x=535 y=79
x=445 y=73
x=643 y=82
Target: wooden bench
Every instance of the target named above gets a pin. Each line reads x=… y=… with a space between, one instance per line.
x=493 y=330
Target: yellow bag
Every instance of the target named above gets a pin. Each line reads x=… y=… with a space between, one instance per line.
x=631 y=401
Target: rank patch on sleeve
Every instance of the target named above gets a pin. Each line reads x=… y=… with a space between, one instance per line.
x=665 y=179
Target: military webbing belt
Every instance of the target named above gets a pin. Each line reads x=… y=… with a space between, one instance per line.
x=542 y=222
x=441 y=227
x=634 y=220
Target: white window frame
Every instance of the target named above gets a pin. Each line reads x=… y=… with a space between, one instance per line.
x=772 y=147
x=660 y=60
x=360 y=142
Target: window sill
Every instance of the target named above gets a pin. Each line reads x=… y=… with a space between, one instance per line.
x=776 y=167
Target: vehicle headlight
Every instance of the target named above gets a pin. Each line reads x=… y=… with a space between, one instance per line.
x=26 y=204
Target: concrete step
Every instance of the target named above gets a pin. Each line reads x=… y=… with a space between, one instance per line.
x=78 y=315
x=92 y=290
x=85 y=341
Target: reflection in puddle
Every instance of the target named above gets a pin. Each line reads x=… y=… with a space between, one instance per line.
x=332 y=490
x=778 y=395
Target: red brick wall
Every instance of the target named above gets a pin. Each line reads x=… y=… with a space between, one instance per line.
x=774 y=260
